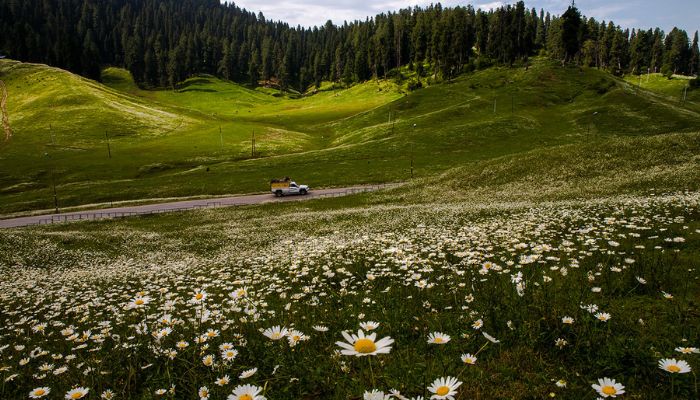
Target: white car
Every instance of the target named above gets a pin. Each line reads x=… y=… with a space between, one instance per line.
x=284 y=187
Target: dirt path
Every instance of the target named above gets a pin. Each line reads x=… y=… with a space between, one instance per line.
x=3 y=111
x=119 y=212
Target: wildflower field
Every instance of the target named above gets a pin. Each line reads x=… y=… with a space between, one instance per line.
x=565 y=299
x=542 y=240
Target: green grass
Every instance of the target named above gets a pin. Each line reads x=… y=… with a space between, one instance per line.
x=672 y=88
x=168 y=143
x=444 y=238
x=581 y=205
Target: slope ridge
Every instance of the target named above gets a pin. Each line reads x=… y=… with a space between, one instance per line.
x=44 y=96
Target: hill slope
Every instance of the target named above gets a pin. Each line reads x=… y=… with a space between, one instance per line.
x=43 y=96
x=197 y=140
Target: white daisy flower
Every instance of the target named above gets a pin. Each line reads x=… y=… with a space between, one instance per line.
x=603 y=316
x=276 y=332
x=223 y=381
x=77 y=393
x=674 y=366
x=444 y=388
x=248 y=373
x=294 y=336
x=376 y=395
x=490 y=338
x=199 y=296
x=468 y=359
x=39 y=392
x=369 y=325
x=246 y=392
x=607 y=387
x=438 y=338
x=360 y=345
x=687 y=350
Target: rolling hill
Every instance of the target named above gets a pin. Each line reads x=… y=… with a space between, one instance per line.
x=196 y=140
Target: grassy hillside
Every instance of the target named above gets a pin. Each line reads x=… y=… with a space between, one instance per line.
x=555 y=239
x=672 y=88
x=367 y=133
x=611 y=225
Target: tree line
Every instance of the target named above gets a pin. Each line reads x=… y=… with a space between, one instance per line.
x=162 y=42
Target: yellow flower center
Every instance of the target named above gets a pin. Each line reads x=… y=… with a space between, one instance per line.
x=438 y=340
x=245 y=397
x=442 y=390
x=609 y=390
x=40 y=392
x=76 y=395
x=138 y=302
x=673 y=368
x=365 y=346
x=198 y=296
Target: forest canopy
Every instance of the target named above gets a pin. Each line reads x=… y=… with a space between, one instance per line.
x=162 y=42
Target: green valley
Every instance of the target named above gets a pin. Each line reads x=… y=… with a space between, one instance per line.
x=197 y=140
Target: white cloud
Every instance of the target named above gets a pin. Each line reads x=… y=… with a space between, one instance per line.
x=490 y=6
x=317 y=12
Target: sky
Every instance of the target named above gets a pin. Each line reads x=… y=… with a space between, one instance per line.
x=645 y=14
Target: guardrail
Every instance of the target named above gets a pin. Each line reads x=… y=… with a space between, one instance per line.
x=356 y=190
x=97 y=215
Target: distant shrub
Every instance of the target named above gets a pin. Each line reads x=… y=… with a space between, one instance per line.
x=414 y=84
x=470 y=67
x=602 y=85
x=694 y=83
x=420 y=69
x=667 y=72
x=483 y=63
x=396 y=76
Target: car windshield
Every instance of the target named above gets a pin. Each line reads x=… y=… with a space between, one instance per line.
x=294 y=184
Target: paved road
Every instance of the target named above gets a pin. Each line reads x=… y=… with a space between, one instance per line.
x=119 y=212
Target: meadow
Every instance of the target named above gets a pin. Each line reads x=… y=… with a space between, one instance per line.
x=528 y=300
x=548 y=249
x=197 y=140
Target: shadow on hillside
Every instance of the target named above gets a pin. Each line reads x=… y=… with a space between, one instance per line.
x=197 y=90
x=196 y=81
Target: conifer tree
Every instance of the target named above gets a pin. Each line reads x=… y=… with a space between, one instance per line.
x=570 y=32
x=694 y=64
